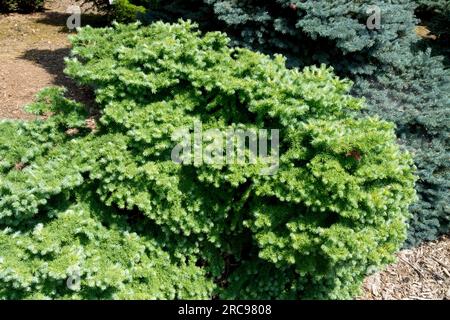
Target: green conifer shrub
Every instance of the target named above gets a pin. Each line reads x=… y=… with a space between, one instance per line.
x=108 y=204
x=401 y=81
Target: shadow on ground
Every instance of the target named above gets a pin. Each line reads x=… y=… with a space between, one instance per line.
x=59 y=19
x=53 y=62
x=439 y=27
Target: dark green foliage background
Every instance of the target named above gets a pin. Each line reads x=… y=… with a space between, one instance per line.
x=442 y=6
x=21 y=5
x=123 y=10
x=435 y=15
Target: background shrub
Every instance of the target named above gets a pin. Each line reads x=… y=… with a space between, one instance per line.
x=401 y=80
x=434 y=5
x=107 y=202
x=21 y=5
x=123 y=10
x=435 y=15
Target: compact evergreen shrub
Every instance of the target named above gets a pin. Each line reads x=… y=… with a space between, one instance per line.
x=401 y=82
x=21 y=5
x=105 y=201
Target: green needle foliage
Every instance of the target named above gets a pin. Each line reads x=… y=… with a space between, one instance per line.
x=401 y=82
x=110 y=206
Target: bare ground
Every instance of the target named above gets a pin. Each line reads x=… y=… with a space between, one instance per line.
x=32 y=49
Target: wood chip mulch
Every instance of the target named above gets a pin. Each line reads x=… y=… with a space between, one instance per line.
x=421 y=273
